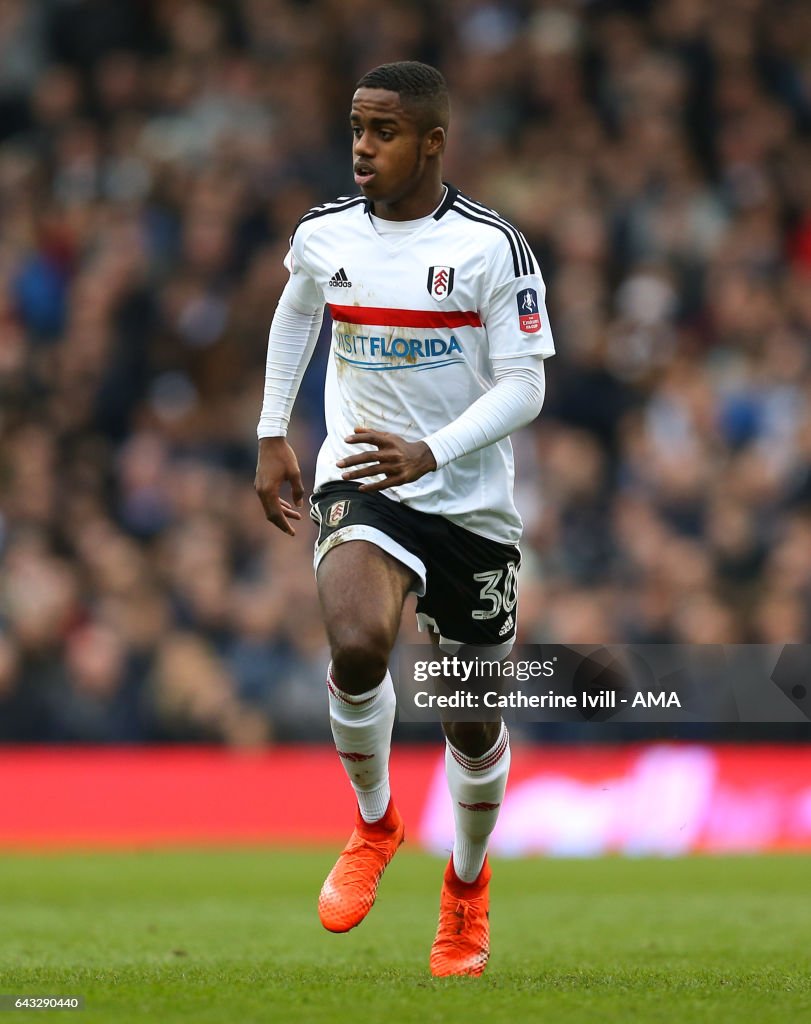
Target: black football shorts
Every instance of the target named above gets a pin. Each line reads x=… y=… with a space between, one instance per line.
x=467 y=591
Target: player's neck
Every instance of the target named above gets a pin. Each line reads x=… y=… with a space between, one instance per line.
x=419 y=204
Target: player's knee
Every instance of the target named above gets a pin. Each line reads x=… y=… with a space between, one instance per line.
x=360 y=657
x=472 y=738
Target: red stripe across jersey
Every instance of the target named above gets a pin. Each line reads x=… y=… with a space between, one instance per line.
x=379 y=316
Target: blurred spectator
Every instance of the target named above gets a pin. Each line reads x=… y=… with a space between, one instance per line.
x=98 y=697
x=194 y=696
x=154 y=158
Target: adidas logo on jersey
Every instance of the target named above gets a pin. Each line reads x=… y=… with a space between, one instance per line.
x=340 y=280
x=508 y=625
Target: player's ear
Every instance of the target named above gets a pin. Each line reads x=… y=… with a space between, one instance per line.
x=434 y=141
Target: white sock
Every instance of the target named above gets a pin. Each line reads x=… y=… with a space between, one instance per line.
x=477 y=787
x=361 y=727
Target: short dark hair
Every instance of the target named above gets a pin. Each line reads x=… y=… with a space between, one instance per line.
x=419 y=85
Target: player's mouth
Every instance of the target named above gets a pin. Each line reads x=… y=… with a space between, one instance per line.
x=363 y=174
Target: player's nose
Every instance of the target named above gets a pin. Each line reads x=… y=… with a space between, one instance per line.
x=362 y=146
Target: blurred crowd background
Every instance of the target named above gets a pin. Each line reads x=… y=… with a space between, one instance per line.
x=154 y=158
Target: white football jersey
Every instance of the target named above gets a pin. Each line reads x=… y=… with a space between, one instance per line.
x=418 y=319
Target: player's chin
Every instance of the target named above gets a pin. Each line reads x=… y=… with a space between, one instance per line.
x=378 y=188
x=370 y=188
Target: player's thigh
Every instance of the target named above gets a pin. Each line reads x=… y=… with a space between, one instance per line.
x=362 y=590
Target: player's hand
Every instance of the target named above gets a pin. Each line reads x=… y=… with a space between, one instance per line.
x=399 y=461
x=276 y=465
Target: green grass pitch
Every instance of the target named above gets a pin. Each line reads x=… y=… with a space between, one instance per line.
x=232 y=936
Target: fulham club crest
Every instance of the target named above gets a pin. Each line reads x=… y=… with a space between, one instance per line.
x=440 y=282
x=529 y=318
x=336 y=512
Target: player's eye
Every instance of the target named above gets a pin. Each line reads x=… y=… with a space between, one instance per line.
x=357 y=131
x=386 y=136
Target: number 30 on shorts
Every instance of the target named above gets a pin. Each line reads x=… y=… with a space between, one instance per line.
x=499 y=591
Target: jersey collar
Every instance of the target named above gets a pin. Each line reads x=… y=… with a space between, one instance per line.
x=451 y=192
x=448 y=201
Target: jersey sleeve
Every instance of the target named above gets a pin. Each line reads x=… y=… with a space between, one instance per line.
x=302 y=292
x=514 y=304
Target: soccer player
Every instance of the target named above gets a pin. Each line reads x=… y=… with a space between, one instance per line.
x=438 y=340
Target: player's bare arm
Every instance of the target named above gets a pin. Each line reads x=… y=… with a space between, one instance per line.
x=277 y=465
x=399 y=460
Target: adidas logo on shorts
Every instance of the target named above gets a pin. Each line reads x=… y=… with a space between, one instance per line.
x=508 y=625
x=340 y=280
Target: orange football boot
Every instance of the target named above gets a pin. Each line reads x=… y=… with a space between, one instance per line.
x=462 y=943
x=350 y=889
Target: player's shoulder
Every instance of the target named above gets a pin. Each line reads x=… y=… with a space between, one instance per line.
x=495 y=232
x=327 y=214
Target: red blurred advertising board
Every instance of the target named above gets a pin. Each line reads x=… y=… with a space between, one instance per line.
x=661 y=799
